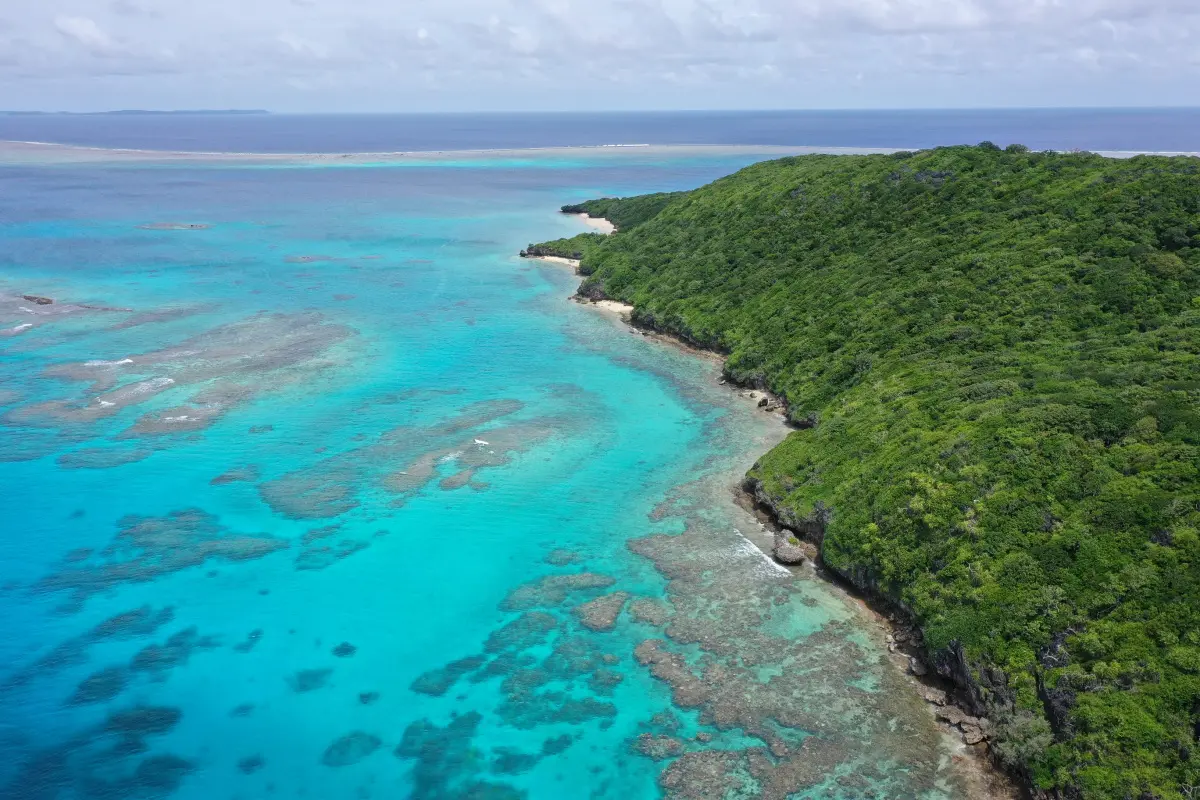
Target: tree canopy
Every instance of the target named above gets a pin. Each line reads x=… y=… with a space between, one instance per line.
x=993 y=354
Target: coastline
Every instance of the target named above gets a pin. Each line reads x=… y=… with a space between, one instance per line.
x=986 y=778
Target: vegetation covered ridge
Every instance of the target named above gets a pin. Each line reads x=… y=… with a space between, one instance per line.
x=993 y=355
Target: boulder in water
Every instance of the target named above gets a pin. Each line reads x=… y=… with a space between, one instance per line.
x=787 y=548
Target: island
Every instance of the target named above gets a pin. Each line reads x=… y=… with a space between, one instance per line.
x=992 y=361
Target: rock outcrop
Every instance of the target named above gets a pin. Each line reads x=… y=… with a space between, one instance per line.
x=787 y=548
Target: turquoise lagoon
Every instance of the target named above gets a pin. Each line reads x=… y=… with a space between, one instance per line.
x=307 y=480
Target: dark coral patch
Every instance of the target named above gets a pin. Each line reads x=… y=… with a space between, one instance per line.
x=175 y=652
x=100 y=687
x=563 y=558
x=658 y=748
x=137 y=622
x=162 y=773
x=251 y=764
x=553 y=590
x=528 y=630
x=146 y=548
x=557 y=744
x=238 y=475
x=314 y=557
x=447 y=763
x=514 y=762
x=350 y=749
x=252 y=639
x=309 y=680
x=604 y=681
x=437 y=682
x=144 y=720
x=528 y=711
x=344 y=650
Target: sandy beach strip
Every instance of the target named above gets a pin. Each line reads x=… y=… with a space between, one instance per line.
x=566 y=262
x=600 y=224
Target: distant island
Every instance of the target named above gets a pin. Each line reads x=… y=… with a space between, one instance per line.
x=136 y=112
x=993 y=360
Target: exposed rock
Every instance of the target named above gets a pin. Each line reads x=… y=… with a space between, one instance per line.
x=932 y=695
x=972 y=734
x=917 y=667
x=787 y=548
x=601 y=614
x=593 y=290
x=956 y=716
x=37 y=299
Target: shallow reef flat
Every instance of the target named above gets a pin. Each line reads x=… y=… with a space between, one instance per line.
x=408 y=524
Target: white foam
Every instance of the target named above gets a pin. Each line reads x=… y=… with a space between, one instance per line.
x=102 y=363
x=22 y=327
x=748 y=547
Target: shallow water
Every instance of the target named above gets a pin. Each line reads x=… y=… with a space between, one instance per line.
x=313 y=489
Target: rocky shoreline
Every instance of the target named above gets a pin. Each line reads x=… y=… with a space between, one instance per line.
x=942 y=679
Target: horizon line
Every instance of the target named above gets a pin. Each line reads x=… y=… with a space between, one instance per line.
x=417 y=155
x=589 y=112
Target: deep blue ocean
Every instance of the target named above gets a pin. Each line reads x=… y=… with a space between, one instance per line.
x=313 y=489
x=1159 y=130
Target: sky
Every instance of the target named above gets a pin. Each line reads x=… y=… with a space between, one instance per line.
x=570 y=55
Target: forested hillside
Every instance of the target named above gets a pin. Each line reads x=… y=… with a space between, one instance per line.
x=993 y=357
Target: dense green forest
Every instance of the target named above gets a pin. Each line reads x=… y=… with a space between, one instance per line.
x=992 y=356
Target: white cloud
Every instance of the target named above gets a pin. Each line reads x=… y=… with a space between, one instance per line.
x=509 y=52
x=85 y=31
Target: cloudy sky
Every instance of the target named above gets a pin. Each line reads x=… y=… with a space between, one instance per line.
x=395 y=55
